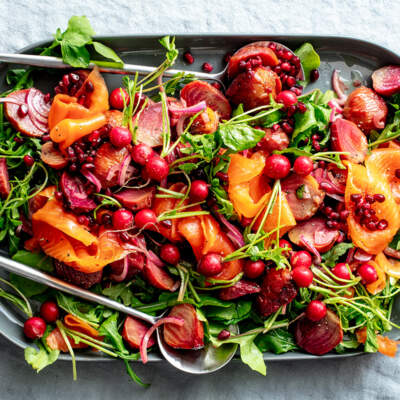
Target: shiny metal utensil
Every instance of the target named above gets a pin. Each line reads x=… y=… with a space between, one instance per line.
x=203 y=361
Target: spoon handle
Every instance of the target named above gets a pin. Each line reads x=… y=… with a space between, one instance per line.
x=126 y=69
x=58 y=284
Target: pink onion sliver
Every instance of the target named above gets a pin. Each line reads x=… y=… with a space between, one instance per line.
x=336 y=197
x=154 y=258
x=336 y=84
x=147 y=336
x=362 y=256
x=11 y=101
x=180 y=125
x=309 y=246
x=39 y=105
x=122 y=275
x=112 y=172
x=333 y=104
x=92 y=179
x=33 y=113
x=191 y=110
x=232 y=232
x=124 y=167
x=350 y=255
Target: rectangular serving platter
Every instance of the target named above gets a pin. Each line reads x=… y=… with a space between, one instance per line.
x=354 y=58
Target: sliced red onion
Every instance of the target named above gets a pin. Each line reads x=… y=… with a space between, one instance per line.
x=350 y=255
x=122 y=275
x=336 y=197
x=191 y=110
x=39 y=104
x=112 y=172
x=33 y=113
x=327 y=181
x=147 y=336
x=232 y=232
x=335 y=106
x=338 y=87
x=362 y=256
x=153 y=257
x=92 y=179
x=180 y=125
x=378 y=122
x=124 y=167
x=11 y=100
x=392 y=253
x=310 y=247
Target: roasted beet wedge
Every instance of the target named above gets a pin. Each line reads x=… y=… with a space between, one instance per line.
x=253 y=88
x=303 y=195
x=277 y=289
x=257 y=50
x=75 y=194
x=366 y=109
x=315 y=233
x=239 y=289
x=75 y=277
x=189 y=336
x=319 y=337
x=125 y=270
x=197 y=91
x=386 y=80
x=4 y=179
x=133 y=332
x=149 y=125
x=158 y=278
x=274 y=140
x=136 y=199
x=346 y=136
x=52 y=156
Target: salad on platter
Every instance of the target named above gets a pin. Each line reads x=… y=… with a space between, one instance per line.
x=267 y=205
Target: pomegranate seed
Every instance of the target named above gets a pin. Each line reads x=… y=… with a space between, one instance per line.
x=301 y=258
x=246 y=221
x=120 y=136
x=254 y=269
x=277 y=166
x=397 y=172
x=145 y=218
x=334 y=215
x=157 y=168
x=314 y=75
x=188 y=57
x=83 y=220
x=316 y=145
x=224 y=334
x=82 y=100
x=344 y=214
x=117 y=97
x=216 y=85
x=290 y=81
x=89 y=87
x=210 y=264
x=367 y=273
x=287 y=128
x=45 y=138
x=122 y=219
x=371 y=225
x=22 y=110
x=141 y=153
x=303 y=165
x=59 y=196
x=73 y=167
x=65 y=80
x=382 y=224
x=380 y=198
x=275 y=127
x=291 y=110
x=296 y=91
x=170 y=253
x=355 y=197
x=302 y=276
x=369 y=199
x=227 y=57
x=341 y=270
x=222 y=175
x=272 y=46
x=49 y=311
x=124 y=236
x=34 y=328
x=207 y=67
x=18 y=140
x=199 y=190
x=296 y=60
x=285 y=66
x=277 y=69
x=287 y=98
x=316 y=310
x=74 y=77
x=328 y=210
x=29 y=160
x=47 y=97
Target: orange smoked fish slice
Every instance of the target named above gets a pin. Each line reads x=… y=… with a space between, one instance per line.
x=361 y=180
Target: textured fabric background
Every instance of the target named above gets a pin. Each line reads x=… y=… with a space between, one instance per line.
x=367 y=377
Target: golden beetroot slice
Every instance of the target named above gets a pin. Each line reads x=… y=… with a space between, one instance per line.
x=386 y=80
x=190 y=335
x=133 y=332
x=52 y=156
x=314 y=232
x=239 y=289
x=319 y=337
x=136 y=199
x=4 y=180
x=346 y=136
x=303 y=195
x=158 y=278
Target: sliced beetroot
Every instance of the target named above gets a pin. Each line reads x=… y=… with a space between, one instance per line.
x=190 y=335
x=303 y=195
x=4 y=179
x=149 y=125
x=346 y=136
x=34 y=123
x=386 y=80
x=274 y=140
x=277 y=289
x=126 y=268
x=252 y=51
x=52 y=156
x=254 y=88
x=136 y=199
x=319 y=337
x=158 y=277
x=314 y=232
x=239 y=289
x=75 y=194
x=108 y=162
x=75 y=277
x=197 y=91
x=134 y=331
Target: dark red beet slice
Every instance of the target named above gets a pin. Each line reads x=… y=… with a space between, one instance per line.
x=274 y=140
x=239 y=289
x=52 y=156
x=133 y=332
x=277 y=289
x=315 y=232
x=197 y=91
x=136 y=199
x=303 y=195
x=75 y=277
x=158 y=278
x=254 y=88
x=190 y=335
x=319 y=337
x=136 y=263
x=252 y=50
x=4 y=179
x=386 y=80
x=75 y=194
x=346 y=136
x=149 y=125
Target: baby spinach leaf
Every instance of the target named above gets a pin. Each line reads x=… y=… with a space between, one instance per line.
x=309 y=60
x=107 y=52
x=233 y=314
x=278 y=341
x=40 y=358
x=332 y=256
x=239 y=136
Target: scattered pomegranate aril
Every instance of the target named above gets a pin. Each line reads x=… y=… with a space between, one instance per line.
x=29 y=160
x=254 y=269
x=49 y=311
x=287 y=98
x=224 y=334
x=303 y=276
x=117 y=97
x=83 y=220
x=382 y=225
x=314 y=75
x=217 y=85
x=207 y=67
x=287 y=128
x=277 y=166
x=145 y=218
x=397 y=173
x=170 y=253
x=199 y=190
x=89 y=87
x=380 y=198
x=141 y=153
x=303 y=165
x=210 y=264
x=120 y=137
x=58 y=196
x=34 y=328
x=122 y=219
x=341 y=270
x=367 y=273
x=188 y=57
x=301 y=258
x=157 y=168
x=316 y=310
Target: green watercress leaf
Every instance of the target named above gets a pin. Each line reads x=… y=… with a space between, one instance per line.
x=107 y=52
x=277 y=341
x=371 y=343
x=40 y=358
x=239 y=136
x=332 y=256
x=309 y=60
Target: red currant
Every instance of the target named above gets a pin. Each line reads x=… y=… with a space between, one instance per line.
x=49 y=311
x=210 y=264
x=301 y=258
x=117 y=98
x=170 y=253
x=302 y=276
x=316 y=310
x=34 y=328
x=254 y=269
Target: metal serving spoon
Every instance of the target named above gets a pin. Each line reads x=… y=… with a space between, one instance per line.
x=203 y=361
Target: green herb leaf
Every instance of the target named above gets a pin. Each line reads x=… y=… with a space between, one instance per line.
x=122 y=293
x=278 y=341
x=41 y=358
x=371 y=343
x=346 y=345
x=309 y=60
x=107 y=52
x=332 y=256
x=172 y=52
x=109 y=329
x=233 y=314
x=77 y=57
x=239 y=136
